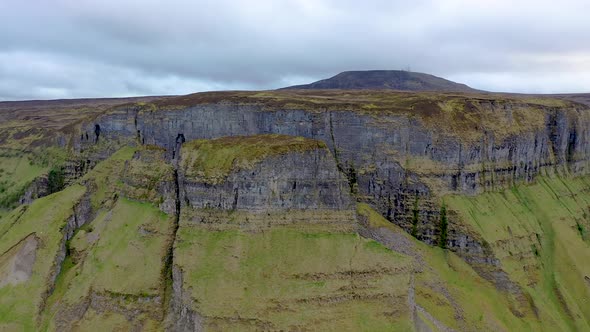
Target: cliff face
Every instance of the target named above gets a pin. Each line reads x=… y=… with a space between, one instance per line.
x=396 y=154
x=289 y=179
x=267 y=240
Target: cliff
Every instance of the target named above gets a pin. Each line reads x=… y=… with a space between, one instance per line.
x=278 y=213
x=261 y=173
x=397 y=149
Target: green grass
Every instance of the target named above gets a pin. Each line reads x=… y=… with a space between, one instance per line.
x=121 y=253
x=17 y=171
x=130 y=247
x=106 y=175
x=213 y=160
x=45 y=217
x=534 y=230
x=145 y=173
x=19 y=168
x=293 y=279
x=480 y=305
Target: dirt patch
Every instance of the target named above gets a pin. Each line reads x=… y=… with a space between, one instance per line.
x=16 y=264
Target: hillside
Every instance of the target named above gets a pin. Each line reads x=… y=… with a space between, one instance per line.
x=296 y=210
x=386 y=79
x=583 y=98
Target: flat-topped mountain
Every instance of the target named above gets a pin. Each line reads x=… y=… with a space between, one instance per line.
x=387 y=79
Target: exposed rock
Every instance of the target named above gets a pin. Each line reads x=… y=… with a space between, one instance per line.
x=461 y=145
x=81 y=214
x=149 y=177
x=16 y=265
x=183 y=317
x=37 y=189
x=293 y=187
x=400 y=153
x=307 y=180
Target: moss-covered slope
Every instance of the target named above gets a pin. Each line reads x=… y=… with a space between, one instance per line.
x=46 y=219
x=99 y=251
x=291 y=278
x=539 y=234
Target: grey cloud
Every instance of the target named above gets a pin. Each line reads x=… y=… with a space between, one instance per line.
x=66 y=48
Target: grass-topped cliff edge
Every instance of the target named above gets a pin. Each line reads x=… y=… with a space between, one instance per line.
x=213 y=160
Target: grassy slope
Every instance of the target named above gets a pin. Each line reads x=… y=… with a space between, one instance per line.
x=122 y=254
x=16 y=173
x=119 y=254
x=145 y=173
x=105 y=177
x=539 y=232
x=293 y=278
x=450 y=290
x=19 y=168
x=45 y=217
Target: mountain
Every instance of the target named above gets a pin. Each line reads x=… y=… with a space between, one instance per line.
x=386 y=79
x=296 y=210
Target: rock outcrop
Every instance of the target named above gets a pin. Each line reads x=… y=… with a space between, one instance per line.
x=16 y=265
x=239 y=196
x=396 y=149
x=290 y=173
x=37 y=189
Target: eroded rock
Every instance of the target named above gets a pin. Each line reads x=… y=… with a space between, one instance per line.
x=16 y=265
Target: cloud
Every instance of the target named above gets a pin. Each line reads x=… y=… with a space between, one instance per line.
x=66 y=48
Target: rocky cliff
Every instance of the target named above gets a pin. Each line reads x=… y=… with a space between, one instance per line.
x=262 y=173
x=278 y=208
x=397 y=150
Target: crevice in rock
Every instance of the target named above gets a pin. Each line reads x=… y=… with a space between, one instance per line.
x=335 y=149
x=552 y=126
x=96 y=132
x=236 y=196
x=183 y=317
x=571 y=144
x=180 y=139
x=167 y=271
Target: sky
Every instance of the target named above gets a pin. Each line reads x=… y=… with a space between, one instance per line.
x=112 y=48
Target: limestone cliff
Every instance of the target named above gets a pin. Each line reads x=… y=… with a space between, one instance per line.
x=278 y=198
x=397 y=149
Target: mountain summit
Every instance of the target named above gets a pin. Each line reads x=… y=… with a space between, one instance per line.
x=386 y=79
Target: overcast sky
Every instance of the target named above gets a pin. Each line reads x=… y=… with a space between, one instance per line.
x=83 y=48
